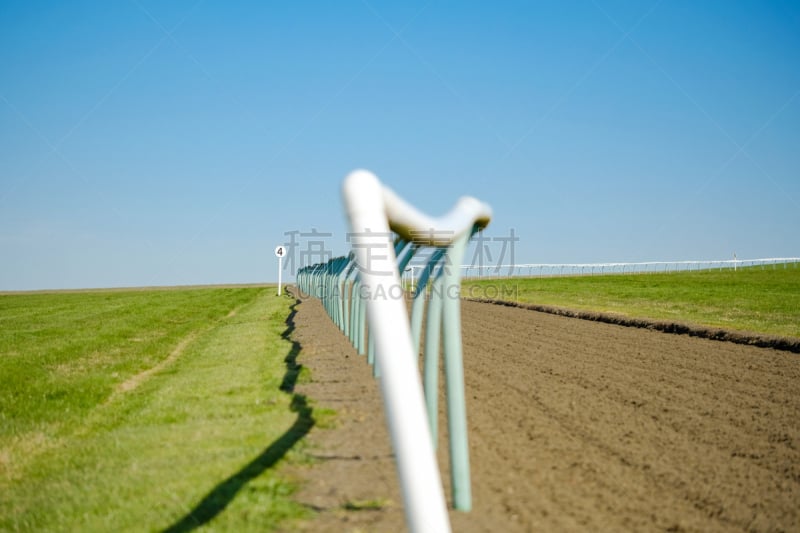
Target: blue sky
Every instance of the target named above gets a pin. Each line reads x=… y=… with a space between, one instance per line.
x=162 y=143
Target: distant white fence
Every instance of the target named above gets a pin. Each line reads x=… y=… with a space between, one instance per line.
x=412 y=272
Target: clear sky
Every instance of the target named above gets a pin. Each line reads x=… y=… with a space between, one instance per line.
x=158 y=143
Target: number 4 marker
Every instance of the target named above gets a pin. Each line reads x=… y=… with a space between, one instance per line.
x=280 y=251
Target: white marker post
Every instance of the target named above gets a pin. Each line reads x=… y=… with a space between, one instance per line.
x=280 y=251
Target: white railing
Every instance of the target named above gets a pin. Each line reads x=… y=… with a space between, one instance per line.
x=364 y=296
x=591 y=269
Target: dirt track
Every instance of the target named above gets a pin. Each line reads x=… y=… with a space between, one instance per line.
x=574 y=425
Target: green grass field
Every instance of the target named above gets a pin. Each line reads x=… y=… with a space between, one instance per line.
x=147 y=410
x=751 y=299
x=170 y=409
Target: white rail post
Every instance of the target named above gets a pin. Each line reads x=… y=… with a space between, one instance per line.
x=369 y=282
x=425 y=507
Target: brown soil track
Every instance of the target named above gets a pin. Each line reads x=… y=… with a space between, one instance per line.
x=790 y=344
x=574 y=425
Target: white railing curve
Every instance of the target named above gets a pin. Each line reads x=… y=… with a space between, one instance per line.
x=386 y=232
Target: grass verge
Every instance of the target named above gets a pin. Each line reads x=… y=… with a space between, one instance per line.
x=752 y=299
x=148 y=410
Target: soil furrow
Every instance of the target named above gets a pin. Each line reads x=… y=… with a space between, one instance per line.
x=575 y=425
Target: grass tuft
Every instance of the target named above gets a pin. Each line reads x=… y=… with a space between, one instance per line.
x=366 y=505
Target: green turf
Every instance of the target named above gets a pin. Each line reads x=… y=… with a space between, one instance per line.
x=763 y=300
x=90 y=440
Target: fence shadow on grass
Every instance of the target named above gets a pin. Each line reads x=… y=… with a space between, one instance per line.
x=223 y=494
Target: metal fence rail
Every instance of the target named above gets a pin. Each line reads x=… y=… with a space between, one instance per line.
x=412 y=272
x=365 y=298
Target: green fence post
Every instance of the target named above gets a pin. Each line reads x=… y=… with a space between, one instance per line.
x=347 y=296
x=454 y=376
x=418 y=306
x=430 y=377
x=376 y=371
x=354 y=314
x=361 y=323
